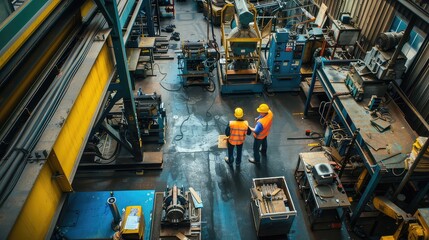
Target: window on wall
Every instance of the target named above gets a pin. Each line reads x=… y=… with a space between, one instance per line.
x=410 y=48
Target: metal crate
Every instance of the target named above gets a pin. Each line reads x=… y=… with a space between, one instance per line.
x=272 y=214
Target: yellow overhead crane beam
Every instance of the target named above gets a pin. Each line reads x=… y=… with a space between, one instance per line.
x=63 y=141
x=45 y=196
x=18 y=91
x=28 y=31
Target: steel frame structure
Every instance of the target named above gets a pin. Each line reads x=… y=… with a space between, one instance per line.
x=377 y=170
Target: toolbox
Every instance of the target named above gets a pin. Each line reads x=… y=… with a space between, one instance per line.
x=272 y=206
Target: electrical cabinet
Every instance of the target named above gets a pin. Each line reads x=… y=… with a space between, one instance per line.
x=285 y=59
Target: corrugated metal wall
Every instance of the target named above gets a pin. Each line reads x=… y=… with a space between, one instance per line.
x=416 y=80
x=374 y=17
x=416 y=86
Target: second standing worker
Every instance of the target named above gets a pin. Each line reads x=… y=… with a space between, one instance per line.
x=261 y=131
x=236 y=132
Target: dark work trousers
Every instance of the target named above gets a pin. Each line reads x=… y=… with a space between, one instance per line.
x=231 y=153
x=257 y=146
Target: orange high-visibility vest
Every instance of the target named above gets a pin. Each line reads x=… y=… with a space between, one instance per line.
x=238 y=130
x=266 y=122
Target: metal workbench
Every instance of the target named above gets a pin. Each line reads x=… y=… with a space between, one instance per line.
x=383 y=153
x=316 y=195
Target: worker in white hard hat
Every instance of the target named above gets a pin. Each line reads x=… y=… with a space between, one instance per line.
x=261 y=131
x=236 y=132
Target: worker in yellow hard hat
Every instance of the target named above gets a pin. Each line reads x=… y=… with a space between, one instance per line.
x=236 y=132
x=261 y=131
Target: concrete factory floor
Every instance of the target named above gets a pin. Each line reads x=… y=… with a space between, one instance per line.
x=194 y=160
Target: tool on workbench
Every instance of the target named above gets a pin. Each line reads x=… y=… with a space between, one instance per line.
x=318 y=194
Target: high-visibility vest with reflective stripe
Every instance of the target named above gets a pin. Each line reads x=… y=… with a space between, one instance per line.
x=266 y=122
x=238 y=130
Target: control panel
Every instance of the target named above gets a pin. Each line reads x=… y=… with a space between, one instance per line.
x=286 y=52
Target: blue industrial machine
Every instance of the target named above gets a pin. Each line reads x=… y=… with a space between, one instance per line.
x=151 y=117
x=196 y=62
x=86 y=215
x=284 y=60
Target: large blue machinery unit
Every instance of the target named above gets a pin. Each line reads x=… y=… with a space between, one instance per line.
x=196 y=63
x=284 y=60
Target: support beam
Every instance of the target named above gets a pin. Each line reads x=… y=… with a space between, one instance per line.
x=418 y=11
x=369 y=190
x=317 y=63
x=414 y=205
x=101 y=6
x=124 y=88
x=410 y=171
x=115 y=135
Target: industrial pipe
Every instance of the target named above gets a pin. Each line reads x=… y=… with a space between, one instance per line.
x=244 y=16
x=401 y=43
x=111 y=201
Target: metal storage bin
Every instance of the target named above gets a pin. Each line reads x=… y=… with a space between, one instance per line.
x=272 y=206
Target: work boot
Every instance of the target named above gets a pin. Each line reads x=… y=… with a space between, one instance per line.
x=252 y=160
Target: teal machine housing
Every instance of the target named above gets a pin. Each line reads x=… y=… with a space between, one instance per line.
x=284 y=61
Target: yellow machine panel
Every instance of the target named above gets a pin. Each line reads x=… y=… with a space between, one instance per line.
x=133 y=224
x=419 y=230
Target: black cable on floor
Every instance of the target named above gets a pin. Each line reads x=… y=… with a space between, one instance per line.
x=179 y=136
x=162 y=79
x=109 y=159
x=208 y=114
x=212 y=86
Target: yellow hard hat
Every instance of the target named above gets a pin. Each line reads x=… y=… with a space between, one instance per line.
x=238 y=113
x=263 y=108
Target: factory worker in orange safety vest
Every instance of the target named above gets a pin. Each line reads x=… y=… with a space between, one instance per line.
x=236 y=132
x=261 y=131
